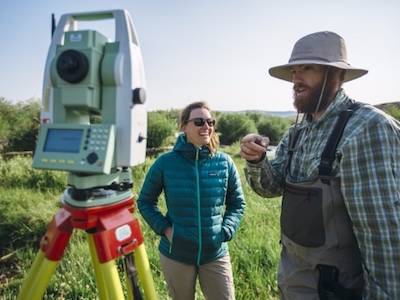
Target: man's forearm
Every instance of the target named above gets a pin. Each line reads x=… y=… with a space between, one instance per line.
x=263 y=179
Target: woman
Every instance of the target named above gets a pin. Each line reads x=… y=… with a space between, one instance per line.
x=204 y=202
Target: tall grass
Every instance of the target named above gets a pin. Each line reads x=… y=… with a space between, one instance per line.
x=18 y=173
x=29 y=198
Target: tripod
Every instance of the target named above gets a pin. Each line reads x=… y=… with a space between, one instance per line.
x=112 y=232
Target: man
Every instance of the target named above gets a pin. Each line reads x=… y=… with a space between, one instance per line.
x=339 y=173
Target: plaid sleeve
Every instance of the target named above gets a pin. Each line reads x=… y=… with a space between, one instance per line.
x=370 y=181
x=266 y=177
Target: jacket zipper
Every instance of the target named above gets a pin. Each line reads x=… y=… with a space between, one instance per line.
x=198 y=205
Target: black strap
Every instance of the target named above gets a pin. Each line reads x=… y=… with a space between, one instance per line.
x=330 y=289
x=292 y=143
x=131 y=272
x=329 y=153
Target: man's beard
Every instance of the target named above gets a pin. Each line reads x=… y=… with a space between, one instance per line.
x=308 y=103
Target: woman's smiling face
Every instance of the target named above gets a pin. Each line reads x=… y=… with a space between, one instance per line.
x=198 y=135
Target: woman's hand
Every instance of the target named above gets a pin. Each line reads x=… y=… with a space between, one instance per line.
x=168 y=234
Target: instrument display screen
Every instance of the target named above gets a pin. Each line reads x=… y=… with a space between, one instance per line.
x=63 y=140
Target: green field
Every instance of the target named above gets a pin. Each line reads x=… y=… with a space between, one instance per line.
x=29 y=198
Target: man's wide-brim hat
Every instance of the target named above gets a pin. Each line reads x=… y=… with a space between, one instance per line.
x=321 y=48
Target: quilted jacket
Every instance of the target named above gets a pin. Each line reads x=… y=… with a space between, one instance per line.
x=204 y=202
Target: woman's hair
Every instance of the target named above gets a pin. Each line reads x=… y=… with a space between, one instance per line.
x=184 y=118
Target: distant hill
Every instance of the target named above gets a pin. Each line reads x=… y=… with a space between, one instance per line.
x=383 y=106
x=292 y=113
x=283 y=114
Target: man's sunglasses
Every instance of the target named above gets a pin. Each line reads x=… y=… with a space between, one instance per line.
x=199 y=122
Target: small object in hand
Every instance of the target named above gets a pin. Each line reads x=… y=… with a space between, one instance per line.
x=259 y=141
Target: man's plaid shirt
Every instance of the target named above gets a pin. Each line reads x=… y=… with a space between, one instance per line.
x=368 y=164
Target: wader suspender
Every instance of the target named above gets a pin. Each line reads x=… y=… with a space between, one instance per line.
x=328 y=155
x=328 y=286
x=292 y=144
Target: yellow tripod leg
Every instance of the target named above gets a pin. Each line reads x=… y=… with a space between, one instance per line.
x=129 y=286
x=38 y=278
x=107 y=278
x=101 y=284
x=29 y=277
x=145 y=277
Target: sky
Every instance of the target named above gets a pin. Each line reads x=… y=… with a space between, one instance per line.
x=214 y=50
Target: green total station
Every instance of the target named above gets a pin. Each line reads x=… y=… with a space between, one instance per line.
x=93 y=115
x=93 y=126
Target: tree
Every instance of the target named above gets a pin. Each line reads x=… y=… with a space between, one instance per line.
x=273 y=127
x=159 y=128
x=25 y=126
x=234 y=126
x=19 y=124
x=394 y=111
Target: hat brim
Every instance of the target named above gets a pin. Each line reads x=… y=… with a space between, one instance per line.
x=284 y=71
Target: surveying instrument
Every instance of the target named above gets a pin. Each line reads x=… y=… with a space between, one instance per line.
x=93 y=125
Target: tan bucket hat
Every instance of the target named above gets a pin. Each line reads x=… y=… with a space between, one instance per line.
x=321 y=48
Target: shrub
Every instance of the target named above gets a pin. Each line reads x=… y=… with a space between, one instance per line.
x=394 y=111
x=18 y=173
x=159 y=128
x=273 y=127
x=19 y=124
x=233 y=127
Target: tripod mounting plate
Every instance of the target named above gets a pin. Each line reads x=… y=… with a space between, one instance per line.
x=114 y=230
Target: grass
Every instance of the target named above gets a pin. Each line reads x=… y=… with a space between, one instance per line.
x=29 y=198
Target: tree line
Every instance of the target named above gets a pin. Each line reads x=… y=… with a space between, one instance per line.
x=231 y=127
x=19 y=125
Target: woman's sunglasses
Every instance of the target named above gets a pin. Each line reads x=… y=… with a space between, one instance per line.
x=199 y=122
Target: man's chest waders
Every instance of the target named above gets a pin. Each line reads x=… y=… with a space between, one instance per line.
x=320 y=258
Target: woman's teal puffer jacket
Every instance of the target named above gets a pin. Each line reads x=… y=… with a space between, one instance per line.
x=204 y=201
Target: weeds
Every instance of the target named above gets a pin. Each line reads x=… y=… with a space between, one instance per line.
x=29 y=198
